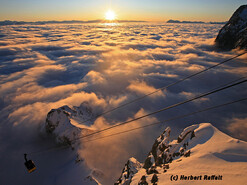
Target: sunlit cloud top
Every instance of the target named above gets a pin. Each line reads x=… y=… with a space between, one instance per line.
x=156 y=10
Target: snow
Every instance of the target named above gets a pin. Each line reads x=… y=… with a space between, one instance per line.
x=134 y=164
x=187 y=130
x=65 y=122
x=212 y=153
x=131 y=168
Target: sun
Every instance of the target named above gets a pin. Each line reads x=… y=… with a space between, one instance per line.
x=110 y=15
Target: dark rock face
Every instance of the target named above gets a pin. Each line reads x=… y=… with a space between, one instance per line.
x=234 y=33
x=143 y=181
x=154 y=179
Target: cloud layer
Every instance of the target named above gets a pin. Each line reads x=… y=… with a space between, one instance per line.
x=48 y=66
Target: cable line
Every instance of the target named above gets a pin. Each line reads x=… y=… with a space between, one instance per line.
x=166 y=108
x=163 y=109
x=171 y=119
x=145 y=126
x=162 y=88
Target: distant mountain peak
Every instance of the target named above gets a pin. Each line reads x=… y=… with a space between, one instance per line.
x=186 y=22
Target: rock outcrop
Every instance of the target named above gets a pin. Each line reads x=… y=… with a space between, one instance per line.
x=234 y=33
x=163 y=152
x=64 y=123
x=199 y=148
x=131 y=167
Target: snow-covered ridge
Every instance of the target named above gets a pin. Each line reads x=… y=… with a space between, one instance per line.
x=200 y=150
x=234 y=33
x=131 y=167
x=65 y=122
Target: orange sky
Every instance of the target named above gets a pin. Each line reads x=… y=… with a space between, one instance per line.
x=156 y=10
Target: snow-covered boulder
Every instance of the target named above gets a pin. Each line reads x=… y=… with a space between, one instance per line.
x=234 y=33
x=186 y=131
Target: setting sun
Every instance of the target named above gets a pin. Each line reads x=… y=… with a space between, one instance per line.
x=110 y=15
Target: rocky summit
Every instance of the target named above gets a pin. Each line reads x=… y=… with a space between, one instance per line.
x=201 y=153
x=234 y=33
x=163 y=152
x=65 y=123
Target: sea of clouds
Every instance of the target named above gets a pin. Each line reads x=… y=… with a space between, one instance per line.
x=43 y=67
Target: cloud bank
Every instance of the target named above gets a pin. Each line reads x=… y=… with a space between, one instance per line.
x=47 y=66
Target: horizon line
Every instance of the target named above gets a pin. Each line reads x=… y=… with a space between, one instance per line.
x=13 y=22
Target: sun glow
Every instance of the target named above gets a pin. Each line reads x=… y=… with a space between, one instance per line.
x=110 y=15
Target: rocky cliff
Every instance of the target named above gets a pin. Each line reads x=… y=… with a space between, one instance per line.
x=65 y=125
x=234 y=33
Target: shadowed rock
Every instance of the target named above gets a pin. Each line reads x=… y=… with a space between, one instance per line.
x=234 y=33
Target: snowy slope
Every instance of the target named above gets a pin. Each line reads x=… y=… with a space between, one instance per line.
x=66 y=170
x=201 y=152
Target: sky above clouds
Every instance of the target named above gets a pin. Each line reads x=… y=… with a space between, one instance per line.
x=156 y=10
x=47 y=66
